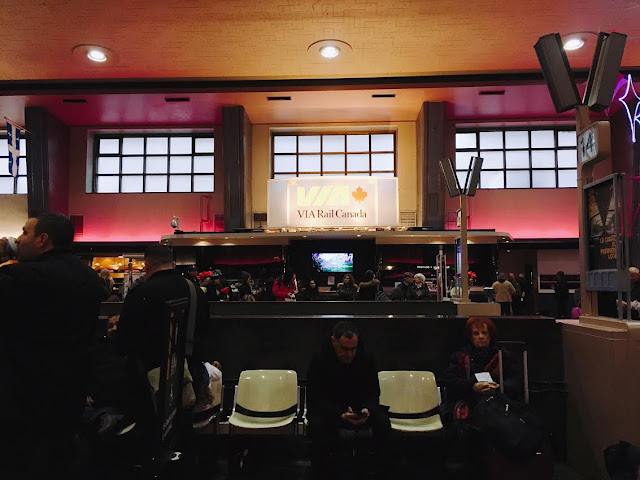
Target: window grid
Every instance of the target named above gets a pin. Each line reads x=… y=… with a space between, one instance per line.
x=19 y=183
x=146 y=156
x=531 y=169
x=275 y=173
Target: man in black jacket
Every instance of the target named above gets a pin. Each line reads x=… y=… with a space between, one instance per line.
x=343 y=394
x=50 y=302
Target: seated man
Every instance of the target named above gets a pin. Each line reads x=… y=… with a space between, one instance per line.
x=343 y=395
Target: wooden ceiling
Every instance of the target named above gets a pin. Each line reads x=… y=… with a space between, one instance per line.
x=269 y=39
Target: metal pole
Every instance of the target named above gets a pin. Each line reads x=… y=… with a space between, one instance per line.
x=464 y=274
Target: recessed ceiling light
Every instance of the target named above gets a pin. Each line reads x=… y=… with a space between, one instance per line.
x=573 y=43
x=96 y=55
x=330 y=51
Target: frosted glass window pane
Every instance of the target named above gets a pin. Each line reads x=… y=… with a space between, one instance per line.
x=309 y=163
x=108 y=165
x=284 y=163
x=284 y=175
x=132 y=184
x=357 y=174
x=203 y=183
x=382 y=161
x=284 y=144
x=567 y=158
x=6 y=185
x=4 y=165
x=382 y=174
x=108 y=184
x=132 y=164
x=517 y=158
x=23 y=146
x=491 y=140
x=567 y=139
x=333 y=175
x=156 y=164
x=518 y=179
x=22 y=185
x=157 y=145
x=309 y=143
x=180 y=183
x=332 y=163
x=180 y=145
x=22 y=166
x=333 y=143
x=109 y=145
x=382 y=142
x=466 y=140
x=462 y=177
x=492 y=160
x=203 y=164
x=516 y=139
x=542 y=139
x=358 y=162
x=180 y=165
x=4 y=147
x=308 y=174
x=132 y=146
x=543 y=159
x=463 y=159
x=357 y=143
x=204 y=145
x=544 y=179
x=567 y=178
x=155 y=183
x=491 y=180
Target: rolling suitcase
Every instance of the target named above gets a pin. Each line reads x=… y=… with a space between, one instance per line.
x=501 y=466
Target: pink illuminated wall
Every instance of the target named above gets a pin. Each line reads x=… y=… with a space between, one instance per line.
x=130 y=217
x=524 y=213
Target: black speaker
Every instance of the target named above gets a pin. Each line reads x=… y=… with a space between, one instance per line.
x=557 y=72
x=450 y=177
x=603 y=75
x=473 y=177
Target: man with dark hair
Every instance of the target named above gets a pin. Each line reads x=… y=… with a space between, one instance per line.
x=343 y=397
x=50 y=302
x=400 y=292
x=141 y=335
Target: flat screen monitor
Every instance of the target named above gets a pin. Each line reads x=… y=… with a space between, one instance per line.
x=332 y=262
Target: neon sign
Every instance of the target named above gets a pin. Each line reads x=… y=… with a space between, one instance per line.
x=635 y=118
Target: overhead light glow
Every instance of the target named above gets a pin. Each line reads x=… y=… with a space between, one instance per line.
x=96 y=55
x=573 y=43
x=330 y=51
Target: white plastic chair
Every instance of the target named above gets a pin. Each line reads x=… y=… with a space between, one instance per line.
x=265 y=399
x=413 y=400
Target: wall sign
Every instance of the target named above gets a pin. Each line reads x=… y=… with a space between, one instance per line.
x=333 y=202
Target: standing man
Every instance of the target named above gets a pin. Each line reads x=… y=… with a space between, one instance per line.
x=634 y=278
x=503 y=292
x=561 y=292
x=343 y=394
x=50 y=302
x=516 y=301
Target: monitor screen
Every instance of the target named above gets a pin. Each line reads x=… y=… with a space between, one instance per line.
x=332 y=262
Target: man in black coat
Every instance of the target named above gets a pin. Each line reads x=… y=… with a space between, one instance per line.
x=50 y=302
x=343 y=395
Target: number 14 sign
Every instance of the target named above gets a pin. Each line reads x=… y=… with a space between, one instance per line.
x=594 y=143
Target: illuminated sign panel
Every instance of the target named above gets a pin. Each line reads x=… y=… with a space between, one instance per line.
x=333 y=202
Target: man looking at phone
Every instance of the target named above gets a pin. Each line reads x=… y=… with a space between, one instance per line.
x=343 y=395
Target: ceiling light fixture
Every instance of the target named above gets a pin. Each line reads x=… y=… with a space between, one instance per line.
x=330 y=51
x=96 y=55
x=573 y=43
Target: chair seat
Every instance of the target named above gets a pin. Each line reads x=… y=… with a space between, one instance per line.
x=429 y=424
x=243 y=421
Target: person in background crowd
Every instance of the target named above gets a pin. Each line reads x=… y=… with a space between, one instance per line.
x=50 y=302
x=282 y=288
x=8 y=252
x=503 y=293
x=343 y=394
x=310 y=292
x=216 y=291
x=347 y=290
x=192 y=274
x=634 y=300
x=561 y=294
x=418 y=290
x=516 y=301
x=368 y=287
x=400 y=292
x=107 y=282
x=294 y=283
x=244 y=288
x=527 y=295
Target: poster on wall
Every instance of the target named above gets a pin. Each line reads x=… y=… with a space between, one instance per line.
x=350 y=201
